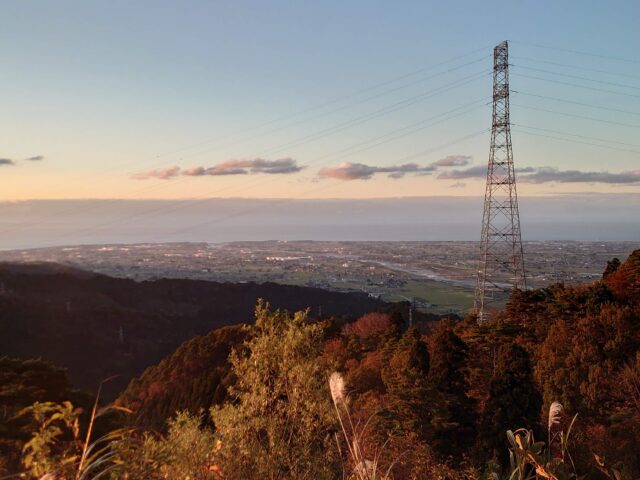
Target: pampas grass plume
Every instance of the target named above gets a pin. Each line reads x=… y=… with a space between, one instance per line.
x=555 y=412
x=337 y=387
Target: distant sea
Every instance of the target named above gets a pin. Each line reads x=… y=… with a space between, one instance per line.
x=41 y=223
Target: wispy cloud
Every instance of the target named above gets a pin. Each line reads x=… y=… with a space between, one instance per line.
x=243 y=167
x=458 y=185
x=540 y=175
x=550 y=174
x=453 y=161
x=230 y=167
x=361 y=171
x=35 y=158
x=477 y=171
x=161 y=173
x=6 y=161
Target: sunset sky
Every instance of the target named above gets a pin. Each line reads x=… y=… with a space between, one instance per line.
x=332 y=99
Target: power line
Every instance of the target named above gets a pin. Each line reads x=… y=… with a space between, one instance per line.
x=564 y=100
x=576 y=85
x=287 y=200
x=578 y=136
x=576 y=141
x=314 y=108
x=191 y=202
x=377 y=113
x=586 y=137
x=344 y=107
x=406 y=130
x=578 y=67
x=353 y=95
x=578 y=52
x=453 y=142
x=579 y=116
x=336 y=129
x=578 y=77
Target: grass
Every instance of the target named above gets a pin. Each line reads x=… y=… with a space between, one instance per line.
x=444 y=297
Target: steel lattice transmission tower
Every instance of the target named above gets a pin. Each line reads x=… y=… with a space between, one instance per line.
x=501 y=263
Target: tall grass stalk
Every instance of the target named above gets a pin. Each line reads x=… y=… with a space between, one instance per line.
x=355 y=435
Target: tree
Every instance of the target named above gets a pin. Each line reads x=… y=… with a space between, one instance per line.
x=612 y=266
x=279 y=423
x=514 y=401
x=577 y=363
x=193 y=379
x=409 y=399
x=456 y=411
x=188 y=450
x=24 y=382
x=625 y=280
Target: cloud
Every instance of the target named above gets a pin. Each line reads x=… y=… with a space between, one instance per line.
x=242 y=167
x=551 y=174
x=214 y=171
x=540 y=175
x=361 y=171
x=230 y=167
x=477 y=171
x=162 y=173
x=458 y=185
x=6 y=161
x=35 y=158
x=453 y=161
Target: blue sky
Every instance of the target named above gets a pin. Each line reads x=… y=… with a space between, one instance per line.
x=107 y=90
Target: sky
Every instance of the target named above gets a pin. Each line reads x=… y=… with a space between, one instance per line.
x=300 y=100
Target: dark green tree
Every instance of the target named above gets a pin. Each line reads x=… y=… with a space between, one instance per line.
x=514 y=402
x=456 y=411
x=22 y=383
x=612 y=266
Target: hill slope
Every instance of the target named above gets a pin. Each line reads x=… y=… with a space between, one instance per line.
x=97 y=326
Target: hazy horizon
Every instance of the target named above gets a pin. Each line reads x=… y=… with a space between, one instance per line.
x=41 y=223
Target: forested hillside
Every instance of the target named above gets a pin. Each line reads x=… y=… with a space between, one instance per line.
x=97 y=326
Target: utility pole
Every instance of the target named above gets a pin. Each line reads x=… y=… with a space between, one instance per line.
x=501 y=262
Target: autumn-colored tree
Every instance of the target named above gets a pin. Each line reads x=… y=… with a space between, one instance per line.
x=191 y=379
x=368 y=325
x=409 y=401
x=578 y=362
x=625 y=280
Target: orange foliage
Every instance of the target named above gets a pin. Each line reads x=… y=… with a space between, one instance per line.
x=625 y=281
x=368 y=325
